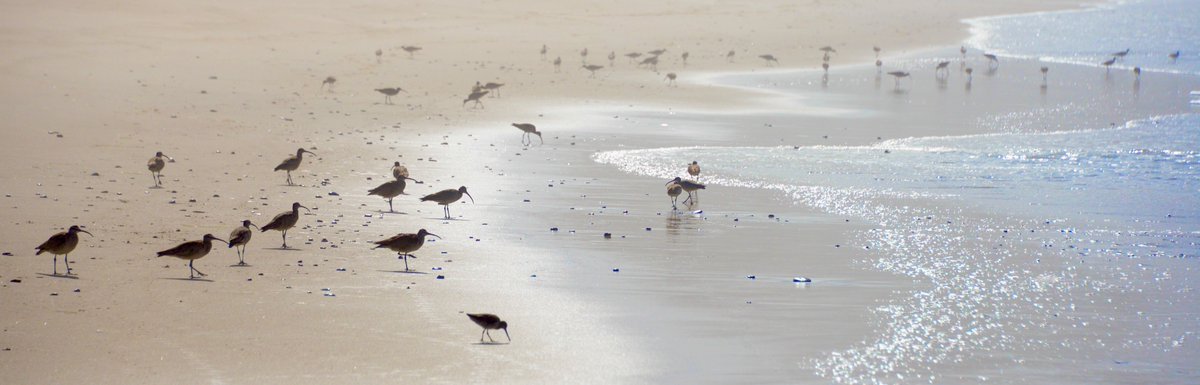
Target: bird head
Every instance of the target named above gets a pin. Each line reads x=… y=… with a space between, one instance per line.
x=76 y=229
x=397 y=164
x=539 y=134
x=504 y=326
x=296 y=206
x=246 y=223
x=301 y=151
x=210 y=237
x=423 y=233
x=463 y=189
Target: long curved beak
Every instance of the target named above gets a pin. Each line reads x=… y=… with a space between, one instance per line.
x=439 y=236
x=85 y=232
x=256 y=226
x=540 y=141
x=414 y=180
x=469 y=196
x=669 y=182
x=306 y=208
x=222 y=240
x=506 y=335
x=310 y=152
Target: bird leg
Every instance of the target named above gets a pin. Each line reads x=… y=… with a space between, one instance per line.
x=390 y=206
x=194 y=269
x=66 y=263
x=284 y=239
x=55 y=264
x=405 y=257
x=289 y=177
x=446 y=208
x=242 y=255
x=481 y=335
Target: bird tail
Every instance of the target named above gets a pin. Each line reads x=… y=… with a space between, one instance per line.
x=265 y=228
x=161 y=253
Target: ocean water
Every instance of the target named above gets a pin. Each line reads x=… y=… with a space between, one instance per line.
x=1052 y=257
x=1151 y=30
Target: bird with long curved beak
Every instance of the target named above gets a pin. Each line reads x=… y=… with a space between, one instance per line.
x=240 y=237
x=489 y=322
x=285 y=220
x=405 y=244
x=292 y=163
x=527 y=129
x=687 y=185
x=448 y=196
x=156 y=165
x=62 y=244
x=191 y=251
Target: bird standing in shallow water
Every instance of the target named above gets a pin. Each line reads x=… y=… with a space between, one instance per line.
x=284 y=221
x=156 y=165
x=448 y=196
x=292 y=163
x=489 y=322
x=687 y=185
x=898 y=75
x=191 y=251
x=673 y=191
x=405 y=244
x=241 y=237
x=62 y=244
x=528 y=129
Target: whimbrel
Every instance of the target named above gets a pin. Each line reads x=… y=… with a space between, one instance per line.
x=769 y=58
x=878 y=66
x=475 y=96
x=612 y=56
x=877 y=49
x=969 y=71
x=156 y=165
x=379 y=55
x=558 y=64
x=489 y=322
x=593 y=68
x=62 y=244
x=962 y=51
x=671 y=78
x=825 y=67
x=494 y=88
x=673 y=191
x=1121 y=55
x=284 y=221
x=292 y=163
x=729 y=56
x=633 y=56
x=694 y=170
x=583 y=56
x=898 y=75
x=388 y=93
x=1108 y=63
x=1137 y=73
x=191 y=251
x=527 y=129
x=448 y=196
x=828 y=50
x=687 y=185
x=411 y=49
x=399 y=171
x=993 y=61
x=684 y=56
x=544 y=52
x=329 y=80
x=241 y=237
x=658 y=52
x=390 y=190
x=1174 y=56
x=405 y=244
x=1044 y=71
x=942 y=69
x=651 y=62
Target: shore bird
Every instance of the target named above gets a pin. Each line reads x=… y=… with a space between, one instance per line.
x=729 y=55
x=1044 y=71
x=684 y=56
x=1137 y=73
x=657 y=52
x=62 y=244
x=583 y=55
x=769 y=59
x=191 y=251
x=1108 y=63
x=284 y=221
x=1174 y=56
x=474 y=97
x=405 y=244
x=528 y=129
x=292 y=163
x=448 y=196
x=828 y=50
x=329 y=80
x=877 y=49
x=878 y=66
x=651 y=62
x=241 y=237
x=399 y=171
x=544 y=50
x=694 y=170
x=593 y=68
x=494 y=88
x=825 y=67
x=379 y=55
x=388 y=93
x=558 y=64
x=411 y=49
x=993 y=61
x=687 y=185
x=942 y=69
x=1121 y=55
x=612 y=57
x=391 y=189
x=489 y=322
x=969 y=71
x=898 y=75
x=633 y=56
x=673 y=191
x=671 y=78
x=156 y=165
x=962 y=51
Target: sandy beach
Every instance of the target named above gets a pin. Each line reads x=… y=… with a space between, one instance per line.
x=91 y=91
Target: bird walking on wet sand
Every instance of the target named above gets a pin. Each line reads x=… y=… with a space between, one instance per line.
x=684 y=56
x=156 y=165
x=329 y=80
x=405 y=244
x=962 y=51
x=284 y=221
x=651 y=62
x=825 y=67
x=1137 y=73
x=448 y=196
x=1044 y=71
x=528 y=129
x=411 y=49
x=1121 y=55
x=1108 y=63
x=379 y=55
x=558 y=64
x=694 y=170
x=475 y=97
x=828 y=50
x=593 y=68
x=292 y=163
x=494 y=88
x=877 y=49
x=729 y=55
x=612 y=57
x=942 y=69
x=241 y=237
x=993 y=61
x=399 y=171
x=62 y=244
x=544 y=50
x=633 y=56
x=583 y=56
x=489 y=322
x=388 y=93
x=878 y=66
x=898 y=75
x=191 y=251
x=671 y=78
x=969 y=71
x=391 y=189
x=657 y=52
x=769 y=59
x=1174 y=56
x=673 y=191
x=687 y=185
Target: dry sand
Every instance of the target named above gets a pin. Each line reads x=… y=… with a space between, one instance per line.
x=230 y=90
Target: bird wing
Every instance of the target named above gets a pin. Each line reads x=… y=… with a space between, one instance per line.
x=55 y=241
x=239 y=236
x=275 y=221
x=283 y=165
x=484 y=319
x=183 y=248
x=438 y=196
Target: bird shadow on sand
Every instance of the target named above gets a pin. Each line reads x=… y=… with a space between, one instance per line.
x=155 y=187
x=403 y=272
x=449 y=219
x=237 y=265
x=283 y=248
x=188 y=279
x=58 y=276
x=491 y=343
x=393 y=212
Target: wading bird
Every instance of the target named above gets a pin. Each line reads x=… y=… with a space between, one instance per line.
x=489 y=322
x=61 y=244
x=399 y=171
x=284 y=221
x=769 y=59
x=687 y=185
x=671 y=78
x=156 y=165
x=405 y=244
x=528 y=129
x=593 y=68
x=191 y=251
x=448 y=196
x=474 y=97
x=241 y=237
x=391 y=189
x=292 y=163
x=411 y=49
x=898 y=75
x=329 y=80
x=673 y=191
x=388 y=93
